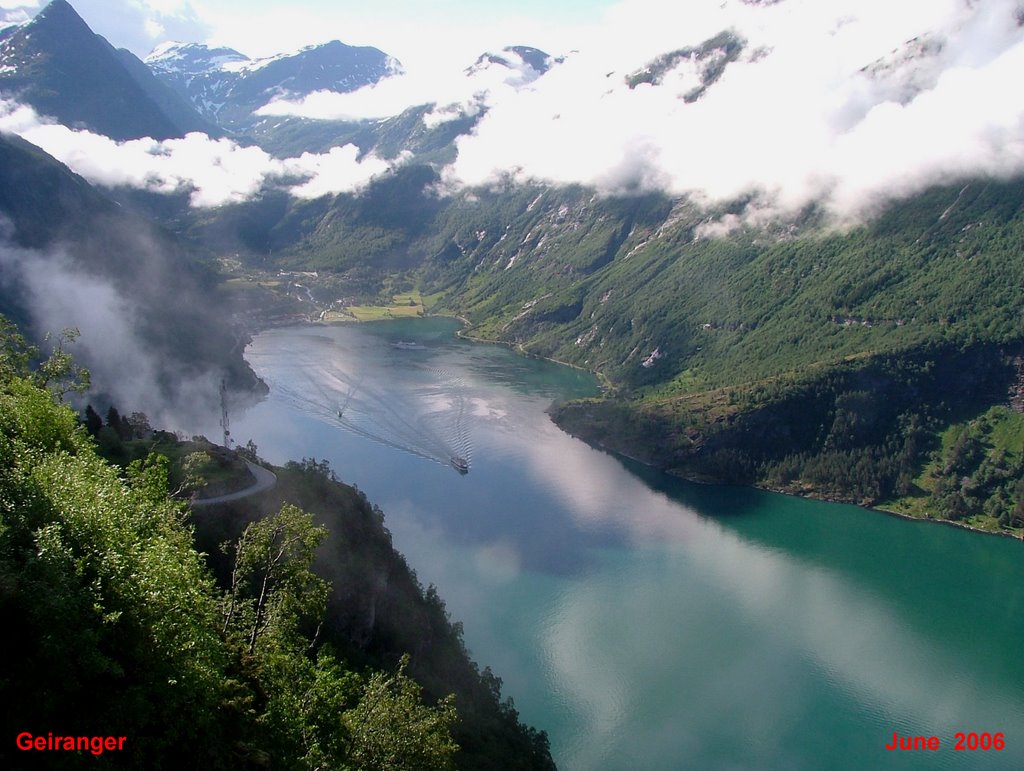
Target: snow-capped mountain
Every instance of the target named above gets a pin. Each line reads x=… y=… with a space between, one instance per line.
x=55 y=63
x=189 y=59
x=197 y=72
x=227 y=86
x=692 y=70
x=514 y=57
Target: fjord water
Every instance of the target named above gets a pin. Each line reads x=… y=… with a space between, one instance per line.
x=644 y=622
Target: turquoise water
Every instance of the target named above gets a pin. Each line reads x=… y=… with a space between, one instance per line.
x=645 y=622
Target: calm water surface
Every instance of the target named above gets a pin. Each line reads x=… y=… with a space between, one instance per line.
x=642 y=621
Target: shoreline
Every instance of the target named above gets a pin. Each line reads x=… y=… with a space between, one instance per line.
x=257 y=323
x=605 y=386
x=812 y=497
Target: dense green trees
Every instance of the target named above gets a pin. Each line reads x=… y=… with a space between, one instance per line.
x=391 y=728
x=908 y=431
x=116 y=626
x=378 y=611
x=979 y=470
x=114 y=610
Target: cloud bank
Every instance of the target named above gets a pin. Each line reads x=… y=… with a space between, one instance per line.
x=14 y=13
x=846 y=103
x=126 y=369
x=844 y=108
x=213 y=171
x=842 y=103
x=454 y=92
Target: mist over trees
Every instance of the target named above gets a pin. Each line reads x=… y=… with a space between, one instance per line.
x=122 y=629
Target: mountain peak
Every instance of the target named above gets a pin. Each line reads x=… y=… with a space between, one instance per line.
x=59 y=66
x=167 y=48
x=536 y=58
x=193 y=58
x=695 y=68
x=227 y=87
x=59 y=14
x=54 y=7
x=533 y=58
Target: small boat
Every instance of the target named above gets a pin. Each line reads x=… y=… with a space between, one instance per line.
x=460 y=464
x=405 y=345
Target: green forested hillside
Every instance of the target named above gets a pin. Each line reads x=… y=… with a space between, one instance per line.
x=604 y=282
x=615 y=280
x=117 y=626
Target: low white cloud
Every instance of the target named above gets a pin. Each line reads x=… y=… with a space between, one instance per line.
x=12 y=14
x=338 y=169
x=213 y=171
x=848 y=103
x=453 y=92
x=389 y=97
x=61 y=295
x=796 y=119
x=154 y=28
x=18 y=6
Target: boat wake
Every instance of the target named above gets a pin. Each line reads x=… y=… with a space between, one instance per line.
x=423 y=415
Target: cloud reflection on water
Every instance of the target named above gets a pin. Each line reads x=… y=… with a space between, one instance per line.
x=638 y=628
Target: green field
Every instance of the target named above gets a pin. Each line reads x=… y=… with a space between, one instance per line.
x=403 y=305
x=983 y=457
x=381 y=312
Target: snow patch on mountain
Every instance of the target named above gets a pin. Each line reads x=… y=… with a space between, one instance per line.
x=192 y=58
x=229 y=87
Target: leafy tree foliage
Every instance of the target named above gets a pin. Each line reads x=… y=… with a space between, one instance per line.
x=121 y=629
x=115 y=610
x=392 y=729
x=377 y=612
x=272 y=585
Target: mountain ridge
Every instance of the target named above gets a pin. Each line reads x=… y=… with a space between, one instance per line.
x=56 y=64
x=228 y=87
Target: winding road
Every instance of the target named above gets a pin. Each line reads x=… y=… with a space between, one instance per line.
x=265 y=479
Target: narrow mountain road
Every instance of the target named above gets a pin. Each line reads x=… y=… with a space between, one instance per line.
x=265 y=479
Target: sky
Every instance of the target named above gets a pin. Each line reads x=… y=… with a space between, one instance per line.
x=411 y=30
